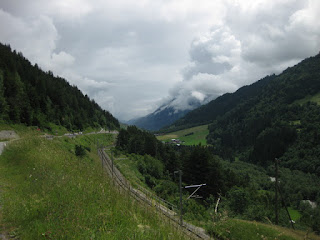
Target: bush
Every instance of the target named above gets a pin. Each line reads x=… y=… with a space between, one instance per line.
x=150 y=181
x=238 y=199
x=80 y=151
x=166 y=188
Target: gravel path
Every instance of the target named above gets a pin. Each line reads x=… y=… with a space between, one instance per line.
x=8 y=134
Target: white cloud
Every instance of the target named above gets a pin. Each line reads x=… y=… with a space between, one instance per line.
x=256 y=39
x=36 y=38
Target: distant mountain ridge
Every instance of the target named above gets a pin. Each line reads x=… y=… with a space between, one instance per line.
x=163 y=116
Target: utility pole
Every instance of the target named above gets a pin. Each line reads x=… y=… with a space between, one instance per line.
x=192 y=195
x=276 y=192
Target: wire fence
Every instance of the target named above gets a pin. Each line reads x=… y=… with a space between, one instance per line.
x=144 y=196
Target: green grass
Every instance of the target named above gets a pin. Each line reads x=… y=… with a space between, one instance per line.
x=315 y=98
x=294 y=214
x=235 y=229
x=57 y=129
x=49 y=193
x=21 y=130
x=129 y=169
x=199 y=135
x=295 y=123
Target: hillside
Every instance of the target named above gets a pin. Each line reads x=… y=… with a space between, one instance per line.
x=242 y=190
x=50 y=190
x=293 y=84
x=31 y=96
x=221 y=105
x=277 y=116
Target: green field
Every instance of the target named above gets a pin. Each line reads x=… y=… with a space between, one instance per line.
x=235 y=229
x=48 y=192
x=315 y=98
x=198 y=135
x=294 y=214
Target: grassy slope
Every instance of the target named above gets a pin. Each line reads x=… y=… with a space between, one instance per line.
x=199 y=135
x=129 y=169
x=315 y=98
x=48 y=192
x=235 y=229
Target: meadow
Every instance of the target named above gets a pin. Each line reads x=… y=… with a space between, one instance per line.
x=190 y=136
x=48 y=191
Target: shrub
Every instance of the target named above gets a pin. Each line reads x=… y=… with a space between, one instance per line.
x=80 y=151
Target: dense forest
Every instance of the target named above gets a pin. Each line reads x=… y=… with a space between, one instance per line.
x=246 y=189
x=31 y=96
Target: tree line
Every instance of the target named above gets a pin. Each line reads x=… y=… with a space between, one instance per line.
x=30 y=96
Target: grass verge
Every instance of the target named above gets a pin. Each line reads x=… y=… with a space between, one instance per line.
x=49 y=192
x=236 y=229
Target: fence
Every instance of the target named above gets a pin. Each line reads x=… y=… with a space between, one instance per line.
x=146 y=197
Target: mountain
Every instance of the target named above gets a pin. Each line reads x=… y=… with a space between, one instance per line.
x=276 y=117
x=163 y=116
x=31 y=96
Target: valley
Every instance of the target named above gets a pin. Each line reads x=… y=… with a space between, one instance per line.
x=255 y=152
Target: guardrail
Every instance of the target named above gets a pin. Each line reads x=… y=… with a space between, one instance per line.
x=146 y=197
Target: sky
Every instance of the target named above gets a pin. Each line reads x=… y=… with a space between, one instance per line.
x=133 y=56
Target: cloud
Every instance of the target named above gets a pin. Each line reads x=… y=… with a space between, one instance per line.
x=213 y=53
x=62 y=59
x=255 y=39
x=36 y=38
x=133 y=56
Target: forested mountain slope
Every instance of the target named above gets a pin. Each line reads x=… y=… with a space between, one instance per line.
x=206 y=113
x=278 y=116
x=31 y=96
